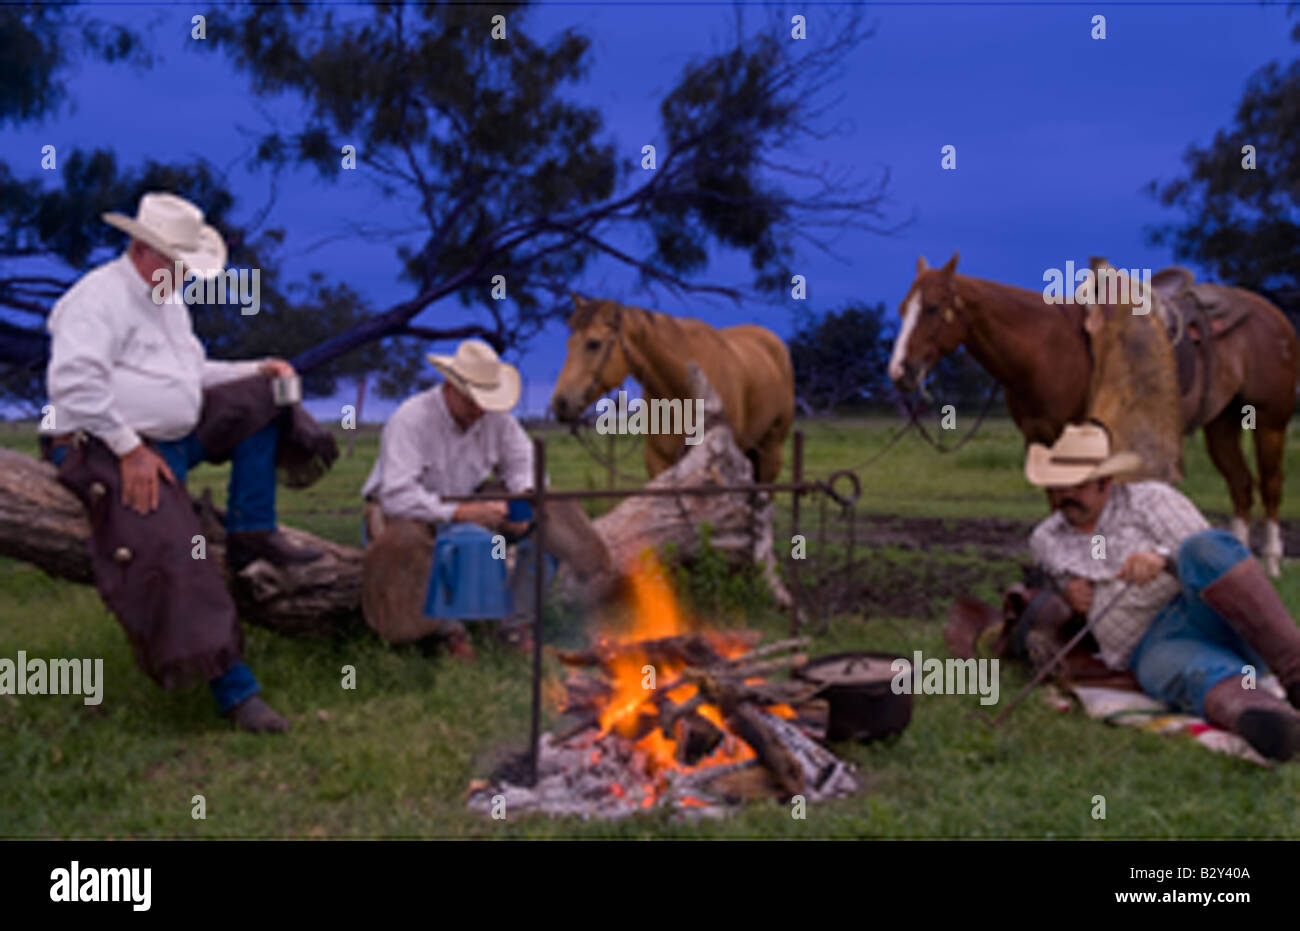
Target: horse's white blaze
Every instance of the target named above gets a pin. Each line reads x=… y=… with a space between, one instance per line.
x=910 y=313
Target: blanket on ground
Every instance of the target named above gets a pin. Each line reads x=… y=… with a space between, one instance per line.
x=1137 y=709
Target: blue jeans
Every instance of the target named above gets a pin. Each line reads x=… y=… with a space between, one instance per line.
x=1190 y=648
x=250 y=497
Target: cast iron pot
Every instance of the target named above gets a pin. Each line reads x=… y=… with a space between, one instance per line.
x=862 y=705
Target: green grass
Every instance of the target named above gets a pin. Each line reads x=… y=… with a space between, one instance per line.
x=394 y=756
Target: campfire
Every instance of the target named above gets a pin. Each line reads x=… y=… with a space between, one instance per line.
x=667 y=717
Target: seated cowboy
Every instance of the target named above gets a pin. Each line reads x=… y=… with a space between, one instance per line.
x=448 y=441
x=136 y=404
x=1198 y=608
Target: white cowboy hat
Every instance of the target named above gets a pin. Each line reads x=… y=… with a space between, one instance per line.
x=175 y=227
x=477 y=371
x=1081 y=454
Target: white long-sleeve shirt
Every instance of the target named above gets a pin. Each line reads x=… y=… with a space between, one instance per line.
x=122 y=367
x=424 y=454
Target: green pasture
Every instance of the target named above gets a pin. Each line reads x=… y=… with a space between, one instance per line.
x=394 y=756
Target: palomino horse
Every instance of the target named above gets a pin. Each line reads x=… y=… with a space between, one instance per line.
x=748 y=366
x=1039 y=353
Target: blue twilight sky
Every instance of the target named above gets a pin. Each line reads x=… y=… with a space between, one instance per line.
x=1056 y=135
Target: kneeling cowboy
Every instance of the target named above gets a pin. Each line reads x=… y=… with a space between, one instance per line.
x=429 y=563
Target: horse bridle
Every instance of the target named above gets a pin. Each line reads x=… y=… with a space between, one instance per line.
x=617 y=337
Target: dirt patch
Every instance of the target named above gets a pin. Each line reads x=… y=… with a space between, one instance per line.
x=917 y=588
x=996 y=536
x=993 y=548
x=999 y=536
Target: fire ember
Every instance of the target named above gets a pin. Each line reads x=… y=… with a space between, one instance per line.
x=677 y=720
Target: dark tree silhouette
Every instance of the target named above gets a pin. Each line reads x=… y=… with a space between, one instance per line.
x=500 y=173
x=504 y=176
x=1244 y=224
x=48 y=236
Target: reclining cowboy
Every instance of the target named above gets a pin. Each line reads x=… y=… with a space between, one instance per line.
x=447 y=441
x=1194 y=608
x=136 y=404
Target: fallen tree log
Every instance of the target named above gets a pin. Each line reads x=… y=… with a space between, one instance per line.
x=44 y=524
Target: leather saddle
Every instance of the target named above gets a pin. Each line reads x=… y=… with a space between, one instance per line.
x=1191 y=310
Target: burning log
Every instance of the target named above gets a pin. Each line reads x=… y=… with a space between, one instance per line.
x=813 y=717
x=584 y=693
x=761 y=669
x=671 y=711
x=779 y=647
x=697 y=737
x=749 y=783
x=751 y=724
x=681 y=650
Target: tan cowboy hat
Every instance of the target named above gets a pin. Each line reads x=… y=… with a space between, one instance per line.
x=175 y=227
x=1081 y=454
x=477 y=371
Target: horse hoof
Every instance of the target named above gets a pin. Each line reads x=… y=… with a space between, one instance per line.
x=1273 y=566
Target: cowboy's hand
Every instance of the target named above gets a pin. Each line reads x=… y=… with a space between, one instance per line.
x=276 y=368
x=1078 y=592
x=1141 y=568
x=489 y=514
x=140 y=470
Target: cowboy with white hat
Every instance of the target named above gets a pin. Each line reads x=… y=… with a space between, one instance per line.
x=427 y=564
x=447 y=440
x=137 y=403
x=1194 y=607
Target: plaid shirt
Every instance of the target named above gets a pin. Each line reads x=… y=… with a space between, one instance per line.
x=1137 y=517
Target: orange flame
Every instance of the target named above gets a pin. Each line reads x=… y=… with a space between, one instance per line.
x=657 y=615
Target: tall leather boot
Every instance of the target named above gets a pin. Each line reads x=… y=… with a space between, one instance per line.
x=1244 y=597
x=1266 y=722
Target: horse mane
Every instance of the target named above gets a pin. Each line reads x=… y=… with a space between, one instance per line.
x=585 y=315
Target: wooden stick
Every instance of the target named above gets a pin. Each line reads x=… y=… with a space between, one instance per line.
x=758 y=669
x=779 y=646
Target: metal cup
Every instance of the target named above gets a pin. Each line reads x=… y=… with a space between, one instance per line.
x=286 y=390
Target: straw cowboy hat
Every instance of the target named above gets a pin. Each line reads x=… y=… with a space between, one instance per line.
x=477 y=371
x=175 y=227
x=1081 y=454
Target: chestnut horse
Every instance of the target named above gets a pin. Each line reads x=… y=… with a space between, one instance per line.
x=748 y=366
x=1039 y=353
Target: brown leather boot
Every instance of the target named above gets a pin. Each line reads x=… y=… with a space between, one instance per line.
x=253 y=714
x=1267 y=723
x=458 y=645
x=1245 y=598
x=246 y=546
